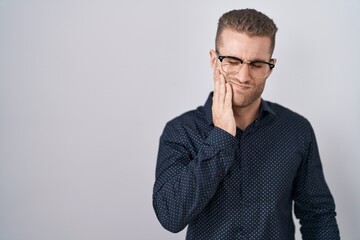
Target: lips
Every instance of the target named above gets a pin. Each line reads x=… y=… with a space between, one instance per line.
x=241 y=88
x=237 y=85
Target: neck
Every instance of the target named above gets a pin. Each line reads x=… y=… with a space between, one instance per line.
x=244 y=116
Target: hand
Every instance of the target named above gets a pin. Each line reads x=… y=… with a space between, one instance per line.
x=222 y=112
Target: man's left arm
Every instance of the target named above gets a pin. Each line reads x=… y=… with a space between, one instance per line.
x=314 y=204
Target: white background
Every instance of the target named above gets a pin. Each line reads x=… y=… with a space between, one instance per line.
x=86 y=88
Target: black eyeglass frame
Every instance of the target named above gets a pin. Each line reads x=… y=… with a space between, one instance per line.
x=221 y=58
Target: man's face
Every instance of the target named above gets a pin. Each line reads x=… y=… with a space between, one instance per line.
x=246 y=89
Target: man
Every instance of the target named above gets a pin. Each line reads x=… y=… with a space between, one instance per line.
x=233 y=168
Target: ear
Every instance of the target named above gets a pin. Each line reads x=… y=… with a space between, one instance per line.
x=273 y=61
x=213 y=59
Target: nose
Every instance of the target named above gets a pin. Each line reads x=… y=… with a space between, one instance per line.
x=244 y=73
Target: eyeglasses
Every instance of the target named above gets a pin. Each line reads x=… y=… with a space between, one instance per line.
x=258 y=69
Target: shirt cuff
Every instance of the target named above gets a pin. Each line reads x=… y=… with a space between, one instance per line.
x=220 y=140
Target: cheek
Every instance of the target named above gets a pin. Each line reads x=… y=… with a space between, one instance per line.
x=259 y=83
x=260 y=86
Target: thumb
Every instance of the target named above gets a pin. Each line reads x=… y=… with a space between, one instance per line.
x=228 y=96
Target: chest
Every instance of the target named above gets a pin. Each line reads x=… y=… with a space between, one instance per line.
x=265 y=165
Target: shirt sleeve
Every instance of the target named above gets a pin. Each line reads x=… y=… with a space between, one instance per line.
x=186 y=178
x=314 y=204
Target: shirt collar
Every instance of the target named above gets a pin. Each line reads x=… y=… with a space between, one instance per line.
x=264 y=108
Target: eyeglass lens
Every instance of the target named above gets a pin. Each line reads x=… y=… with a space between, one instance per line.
x=233 y=66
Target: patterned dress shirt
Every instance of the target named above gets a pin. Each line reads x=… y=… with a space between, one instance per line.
x=242 y=187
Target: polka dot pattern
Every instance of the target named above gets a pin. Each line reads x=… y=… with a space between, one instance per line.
x=242 y=187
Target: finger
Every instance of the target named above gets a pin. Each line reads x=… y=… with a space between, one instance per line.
x=228 y=97
x=222 y=90
x=217 y=84
x=217 y=74
x=216 y=89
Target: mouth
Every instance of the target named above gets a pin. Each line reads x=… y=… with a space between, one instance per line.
x=239 y=86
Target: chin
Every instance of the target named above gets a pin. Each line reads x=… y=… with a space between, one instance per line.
x=244 y=101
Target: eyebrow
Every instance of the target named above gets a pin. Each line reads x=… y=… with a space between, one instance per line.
x=253 y=60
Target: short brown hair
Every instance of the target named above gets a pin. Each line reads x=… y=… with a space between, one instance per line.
x=248 y=21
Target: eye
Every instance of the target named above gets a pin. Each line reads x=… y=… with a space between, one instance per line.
x=258 y=64
x=232 y=61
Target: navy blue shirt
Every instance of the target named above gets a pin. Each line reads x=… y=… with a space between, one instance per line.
x=242 y=187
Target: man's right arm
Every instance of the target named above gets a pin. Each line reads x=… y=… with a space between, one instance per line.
x=185 y=182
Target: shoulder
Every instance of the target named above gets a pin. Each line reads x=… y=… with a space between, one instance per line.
x=191 y=124
x=287 y=115
x=290 y=123
x=292 y=128
x=193 y=121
